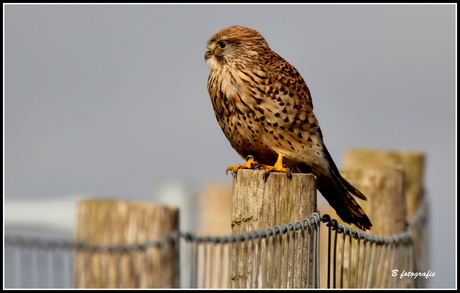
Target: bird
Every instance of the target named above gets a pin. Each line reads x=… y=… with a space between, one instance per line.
x=264 y=108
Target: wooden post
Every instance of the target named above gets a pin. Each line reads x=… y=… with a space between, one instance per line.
x=413 y=165
x=260 y=203
x=118 y=223
x=214 y=211
x=411 y=162
x=386 y=199
x=385 y=207
x=393 y=184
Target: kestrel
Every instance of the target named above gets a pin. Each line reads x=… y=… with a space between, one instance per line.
x=265 y=110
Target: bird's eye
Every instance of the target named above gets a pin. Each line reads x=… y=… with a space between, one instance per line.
x=222 y=44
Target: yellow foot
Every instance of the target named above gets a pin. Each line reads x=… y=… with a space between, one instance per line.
x=250 y=164
x=278 y=167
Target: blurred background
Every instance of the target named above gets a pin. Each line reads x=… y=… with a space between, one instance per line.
x=111 y=101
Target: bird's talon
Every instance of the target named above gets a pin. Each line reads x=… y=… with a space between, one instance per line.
x=277 y=167
x=250 y=163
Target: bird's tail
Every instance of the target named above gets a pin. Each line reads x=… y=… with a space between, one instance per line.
x=339 y=193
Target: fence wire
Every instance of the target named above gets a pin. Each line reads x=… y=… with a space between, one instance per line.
x=258 y=259
x=359 y=260
x=285 y=256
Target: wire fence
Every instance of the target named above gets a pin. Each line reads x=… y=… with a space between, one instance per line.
x=285 y=256
x=259 y=259
x=360 y=260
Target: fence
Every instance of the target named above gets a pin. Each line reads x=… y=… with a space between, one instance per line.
x=210 y=255
x=362 y=260
x=372 y=265
x=282 y=256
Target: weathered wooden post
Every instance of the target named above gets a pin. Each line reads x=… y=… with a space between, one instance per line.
x=389 y=212
x=117 y=223
x=412 y=163
x=214 y=210
x=386 y=207
x=261 y=202
x=393 y=184
x=384 y=187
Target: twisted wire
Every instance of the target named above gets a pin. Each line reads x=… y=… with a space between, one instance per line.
x=372 y=253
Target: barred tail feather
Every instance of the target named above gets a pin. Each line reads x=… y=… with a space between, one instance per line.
x=343 y=202
x=339 y=192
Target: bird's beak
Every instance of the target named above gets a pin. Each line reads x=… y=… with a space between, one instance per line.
x=207 y=54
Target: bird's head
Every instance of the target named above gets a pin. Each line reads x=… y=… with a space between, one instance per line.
x=234 y=45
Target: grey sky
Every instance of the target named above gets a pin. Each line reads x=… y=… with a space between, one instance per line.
x=111 y=99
